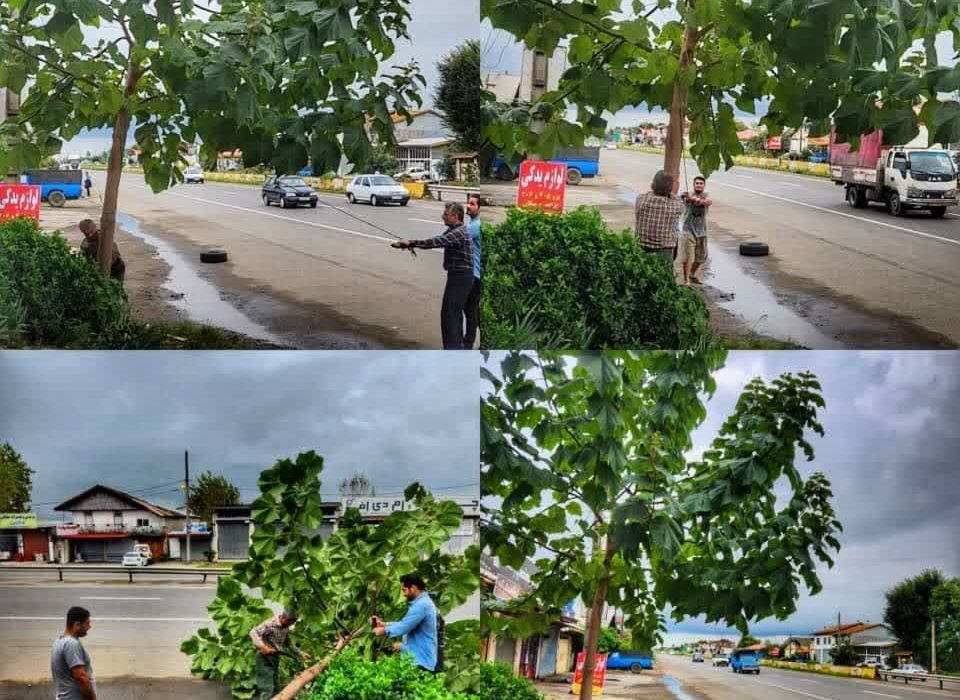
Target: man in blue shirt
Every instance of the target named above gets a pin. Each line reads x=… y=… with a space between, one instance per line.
x=418 y=627
x=472 y=309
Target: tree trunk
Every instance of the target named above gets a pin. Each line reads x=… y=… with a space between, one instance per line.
x=678 y=107
x=594 y=623
x=108 y=216
x=302 y=679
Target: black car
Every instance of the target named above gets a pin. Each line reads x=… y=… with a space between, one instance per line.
x=288 y=191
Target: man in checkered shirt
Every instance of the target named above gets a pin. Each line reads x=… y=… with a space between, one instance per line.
x=458 y=262
x=656 y=215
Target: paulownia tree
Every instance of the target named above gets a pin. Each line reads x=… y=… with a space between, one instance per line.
x=282 y=81
x=850 y=61
x=336 y=584
x=586 y=468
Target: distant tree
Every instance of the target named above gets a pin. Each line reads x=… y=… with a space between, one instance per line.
x=908 y=611
x=609 y=640
x=458 y=94
x=16 y=482
x=945 y=610
x=383 y=160
x=843 y=653
x=209 y=493
x=357 y=485
x=747 y=640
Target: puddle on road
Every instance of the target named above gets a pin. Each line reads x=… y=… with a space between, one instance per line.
x=676 y=688
x=200 y=301
x=752 y=301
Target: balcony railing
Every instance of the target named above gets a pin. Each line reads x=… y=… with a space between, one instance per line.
x=84 y=529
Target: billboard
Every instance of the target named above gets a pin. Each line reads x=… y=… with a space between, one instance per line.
x=19 y=200
x=599 y=674
x=18 y=520
x=774 y=143
x=542 y=185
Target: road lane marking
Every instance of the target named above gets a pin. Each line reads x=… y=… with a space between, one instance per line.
x=98 y=618
x=886 y=695
x=793 y=690
x=840 y=213
x=93 y=597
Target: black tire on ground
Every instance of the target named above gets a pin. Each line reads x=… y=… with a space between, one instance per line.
x=938 y=212
x=404 y=203
x=56 y=198
x=215 y=255
x=283 y=203
x=313 y=205
x=896 y=207
x=201 y=181
x=574 y=176
x=266 y=200
x=351 y=198
x=856 y=197
x=754 y=249
x=374 y=202
x=504 y=172
x=636 y=668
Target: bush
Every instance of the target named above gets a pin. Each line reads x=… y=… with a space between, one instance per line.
x=54 y=295
x=499 y=682
x=568 y=281
x=351 y=677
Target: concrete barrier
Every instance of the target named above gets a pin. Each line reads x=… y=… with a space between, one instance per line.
x=828 y=669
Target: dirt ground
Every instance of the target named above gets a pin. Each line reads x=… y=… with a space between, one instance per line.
x=145 y=273
x=128 y=689
x=642 y=686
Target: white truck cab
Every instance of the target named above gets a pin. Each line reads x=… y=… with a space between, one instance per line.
x=919 y=179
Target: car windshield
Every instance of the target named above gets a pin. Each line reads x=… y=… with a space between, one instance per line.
x=292 y=182
x=192 y=170
x=382 y=180
x=931 y=163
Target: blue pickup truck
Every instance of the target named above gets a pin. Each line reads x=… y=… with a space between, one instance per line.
x=635 y=661
x=580 y=162
x=56 y=186
x=743 y=661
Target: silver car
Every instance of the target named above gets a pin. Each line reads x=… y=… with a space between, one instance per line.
x=377 y=189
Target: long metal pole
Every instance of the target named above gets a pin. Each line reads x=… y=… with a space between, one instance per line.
x=186 y=479
x=933 y=645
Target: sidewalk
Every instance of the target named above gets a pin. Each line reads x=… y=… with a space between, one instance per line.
x=128 y=689
x=629 y=686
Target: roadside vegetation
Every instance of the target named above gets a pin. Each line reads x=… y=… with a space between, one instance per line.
x=52 y=297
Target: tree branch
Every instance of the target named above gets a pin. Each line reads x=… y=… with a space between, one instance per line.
x=62 y=71
x=584 y=20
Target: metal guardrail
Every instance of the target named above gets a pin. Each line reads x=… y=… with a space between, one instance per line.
x=438 y=190
x=129 y=570
x=907 y=677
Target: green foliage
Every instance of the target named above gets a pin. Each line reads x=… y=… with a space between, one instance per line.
x=462 y=655
x=394 y=678
x=570 y=276
x=336 y=583
x=16 y=481
x=747 y=640
x=277 y=80
x=57 y=296
x=843 y=653
x=907 y=612
x=609 y=640
x=499 y=682
x=589 y=456
x=209 y=492
x=458 y=94
x=382 y=159
x=945 y=609
x=850 y=62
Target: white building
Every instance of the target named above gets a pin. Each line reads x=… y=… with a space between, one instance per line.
x=872 y=642
x=9 y=103
x=540 y=73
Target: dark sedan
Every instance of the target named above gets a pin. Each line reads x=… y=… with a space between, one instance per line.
x=288 y=191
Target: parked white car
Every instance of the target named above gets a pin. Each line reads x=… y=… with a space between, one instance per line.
x=134 y=559
x=415 y=172
x=377 y=189
x=192 y=174
x=913 y=670
x=144 y=550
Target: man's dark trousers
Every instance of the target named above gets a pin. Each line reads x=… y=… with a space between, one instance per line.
x=472 y=314
x=455 y=295
x=266 y=674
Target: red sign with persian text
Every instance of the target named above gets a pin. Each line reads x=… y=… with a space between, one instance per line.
x=19 y=200
x=542 y=185
x=599 y=673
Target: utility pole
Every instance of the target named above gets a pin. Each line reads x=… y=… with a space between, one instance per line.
x=933 y=645
x=186 y=487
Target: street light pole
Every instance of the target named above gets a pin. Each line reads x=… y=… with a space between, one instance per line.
x=933 y=645
x=186 y=482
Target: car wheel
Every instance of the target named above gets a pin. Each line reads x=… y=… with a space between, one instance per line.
x=856 y=197
x=283 y=203
x=374 y=201
x=404 y=203
x=635 y=668
x=351 y=198
x=313 y=205
x=574 y=176
x=201 y=182
x=56 y=198
x=896 y=206
x=266 y=200
x=938 y=212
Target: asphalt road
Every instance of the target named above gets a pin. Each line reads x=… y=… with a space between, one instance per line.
x=703 y=680
x=898 y=267
x=317 y=278
x=137 y=629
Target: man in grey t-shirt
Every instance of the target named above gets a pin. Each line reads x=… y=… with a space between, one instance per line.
x=693 y=240
x=70 y=662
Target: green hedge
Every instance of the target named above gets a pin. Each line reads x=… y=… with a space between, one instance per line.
x=499 y=682
x=567 y=281
x=351 y=677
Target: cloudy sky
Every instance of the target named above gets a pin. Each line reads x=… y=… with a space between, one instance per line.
x=502 y=53
x=124 y=418
x=891 y=452
x=436 y=27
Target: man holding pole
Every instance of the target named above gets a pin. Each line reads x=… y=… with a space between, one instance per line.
x=271 y=638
